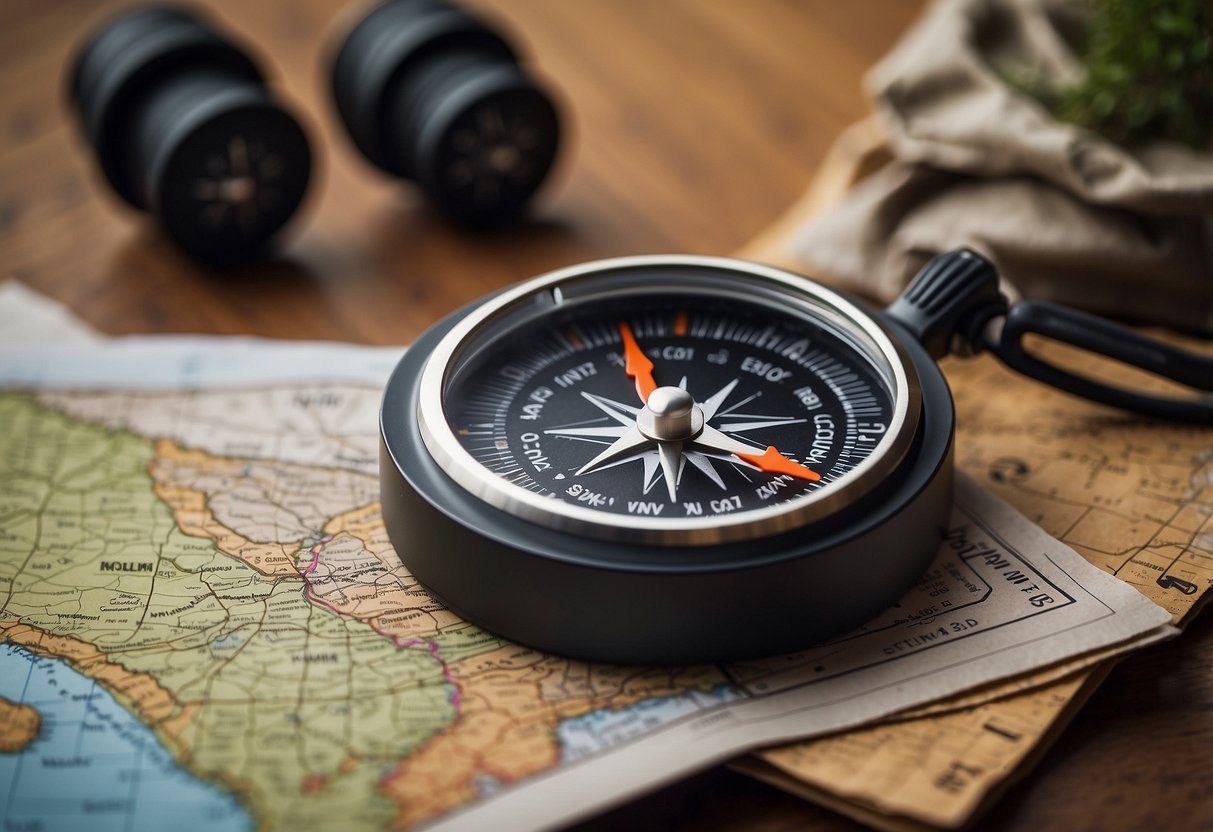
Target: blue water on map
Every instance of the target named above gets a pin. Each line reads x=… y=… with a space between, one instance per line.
x=94 y=766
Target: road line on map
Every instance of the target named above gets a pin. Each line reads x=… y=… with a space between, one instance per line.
x=456 y=697
x=315 y=556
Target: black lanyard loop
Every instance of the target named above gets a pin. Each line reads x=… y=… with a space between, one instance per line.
x=953 y=306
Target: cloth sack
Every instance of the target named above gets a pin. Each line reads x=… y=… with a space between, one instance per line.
x=1065 y=214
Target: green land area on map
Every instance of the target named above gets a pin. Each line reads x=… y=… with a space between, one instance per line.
x=252 y=612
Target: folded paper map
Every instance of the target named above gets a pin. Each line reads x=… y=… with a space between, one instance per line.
x=201 y=609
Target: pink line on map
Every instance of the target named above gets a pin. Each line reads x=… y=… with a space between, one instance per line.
x=315 y=556
x=456 y=696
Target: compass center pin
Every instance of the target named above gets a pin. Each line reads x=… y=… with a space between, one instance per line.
x=670 y=415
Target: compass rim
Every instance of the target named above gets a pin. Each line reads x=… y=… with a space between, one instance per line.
x=443 y=446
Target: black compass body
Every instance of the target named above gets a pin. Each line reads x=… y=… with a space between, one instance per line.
x=666 y=460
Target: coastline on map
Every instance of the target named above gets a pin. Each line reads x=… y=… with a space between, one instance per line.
x=93 y=764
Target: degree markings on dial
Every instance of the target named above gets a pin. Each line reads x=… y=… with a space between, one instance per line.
x=853 y=392
x=762 y=338
x=596 y=335
x=680 y=323
x=574 y=340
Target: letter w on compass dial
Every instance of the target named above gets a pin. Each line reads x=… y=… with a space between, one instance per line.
x=692 y=409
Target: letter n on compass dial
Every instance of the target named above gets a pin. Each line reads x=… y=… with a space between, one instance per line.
x=692 y=407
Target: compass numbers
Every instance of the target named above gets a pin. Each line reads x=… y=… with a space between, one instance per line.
x=587 y=497
x=672 y=353
x=575 y=375
x=773 y=488
x=725 y=505
x=823 y=438
x=532 y=452
x=765 y=370
x=532 y=408
x=756 y=409
x=870 y=432
x=808 y=399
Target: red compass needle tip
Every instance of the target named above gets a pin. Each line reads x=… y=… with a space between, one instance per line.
x=773 y=462
x=637 y=365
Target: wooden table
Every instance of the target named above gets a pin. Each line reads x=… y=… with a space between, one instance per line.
x=694 y=124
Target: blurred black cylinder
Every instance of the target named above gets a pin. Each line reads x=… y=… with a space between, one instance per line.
x=432 y=94
x=184 y=128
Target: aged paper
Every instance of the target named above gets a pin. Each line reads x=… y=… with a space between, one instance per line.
x=1134 y=497
x=878 y=775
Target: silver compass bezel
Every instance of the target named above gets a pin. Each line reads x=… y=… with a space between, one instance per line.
x=584 y=283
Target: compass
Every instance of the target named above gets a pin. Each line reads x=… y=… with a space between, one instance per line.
x=683 y=459
x=666 y=459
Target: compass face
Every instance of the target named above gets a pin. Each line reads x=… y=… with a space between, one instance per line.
x=685 y=402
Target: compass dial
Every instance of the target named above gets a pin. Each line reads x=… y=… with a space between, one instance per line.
x=679 y=405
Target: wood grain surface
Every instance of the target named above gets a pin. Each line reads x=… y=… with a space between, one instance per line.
x=694 y=124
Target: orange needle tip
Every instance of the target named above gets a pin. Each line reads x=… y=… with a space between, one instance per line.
x=773 y=462
x=636 y=364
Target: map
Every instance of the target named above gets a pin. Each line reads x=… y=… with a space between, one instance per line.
x=1134 y=497
x=199 y=607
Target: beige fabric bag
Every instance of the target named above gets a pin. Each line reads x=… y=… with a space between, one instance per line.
x=1065 y=214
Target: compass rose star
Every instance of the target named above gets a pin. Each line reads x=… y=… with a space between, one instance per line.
x=667 y=458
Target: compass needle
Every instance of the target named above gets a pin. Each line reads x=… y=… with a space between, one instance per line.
x=773 y=462
x=770 y=460
x=638 y=366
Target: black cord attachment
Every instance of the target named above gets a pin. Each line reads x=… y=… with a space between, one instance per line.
x=952 y=305
x=948 y=303
x=1094 y=334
